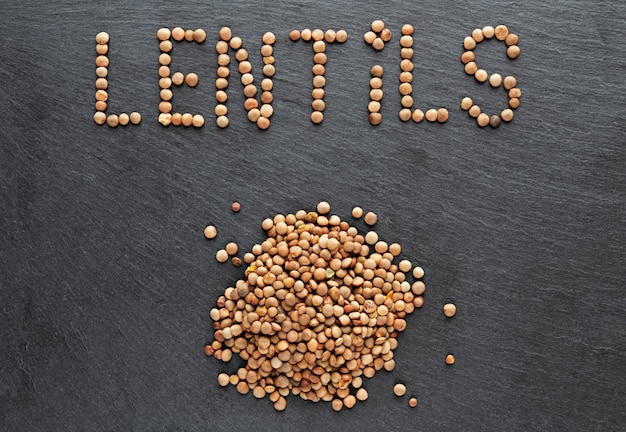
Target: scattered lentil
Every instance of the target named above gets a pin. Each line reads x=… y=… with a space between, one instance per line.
x=450 y=359
x=449 y=310
x=413 y=402
x=399 y=390
x=210 y=232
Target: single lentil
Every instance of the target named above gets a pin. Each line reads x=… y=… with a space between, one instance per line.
x=449 y=310
x=399 y=390
x=450 y=359
x=413 y=402
x=210 y=232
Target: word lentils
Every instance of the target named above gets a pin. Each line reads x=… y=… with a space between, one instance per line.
x=317 y=310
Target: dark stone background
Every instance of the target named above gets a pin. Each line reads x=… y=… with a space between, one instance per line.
x=106 y=281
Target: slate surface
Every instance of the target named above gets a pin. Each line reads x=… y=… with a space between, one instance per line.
x=106 y=281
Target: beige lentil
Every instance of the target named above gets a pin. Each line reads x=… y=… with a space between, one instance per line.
x=477 y=35
x=469 y=43
x=124 y=119
x=506 y=115
x=482 y=120
x=370 y=218
x=513 y=51
x=112 y=120
x=405 y=114
x=449 y=310
x=481 y=75
x=99 y=117
x=450 y=359
x=501 y=32
x=210 y=232
x=495 y=80
x=514 y=103
x=399 y=390
x=178 y=34
x=378 y=44
x=135 y=118
x=418 y=272
x=488 y=32
x=466 y=103
x=413 y=402
x=474 y=111
x=417 y=116
x=431 y=115
x=378 y=26
x=341 y=36
x=222 y=122
x=163 y=34
x=102 y=38
x=509 y=83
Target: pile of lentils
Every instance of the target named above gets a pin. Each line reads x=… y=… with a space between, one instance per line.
x=319 y=308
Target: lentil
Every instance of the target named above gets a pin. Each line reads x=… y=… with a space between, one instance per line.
x=481 y=75
x=191 y=79
x=418 y=272
x=370 y=218
x=495 y=80
x=482 y=120
x=112 y=120
x=399 y=390
x=494 y=121
x=413 y=402
x=449 y=310
x=221 y=256
x=431 y=115
x=514 y=102
x=135 y=118
x=442 y=115
x=235 y=206
x=501 y=32
x=466 y=103
x=210 y=232
x=341 y=36
x=513 y=51
x=509 y=83
x=99 y=117
x=417 y=116
x=506 y=115
x=450 y=359
x=124 y=119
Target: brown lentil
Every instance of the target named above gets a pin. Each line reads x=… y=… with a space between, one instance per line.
x=514 y=103
x=494 y=121
x=468 y=56
x=294 y=35
x=509 y=83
